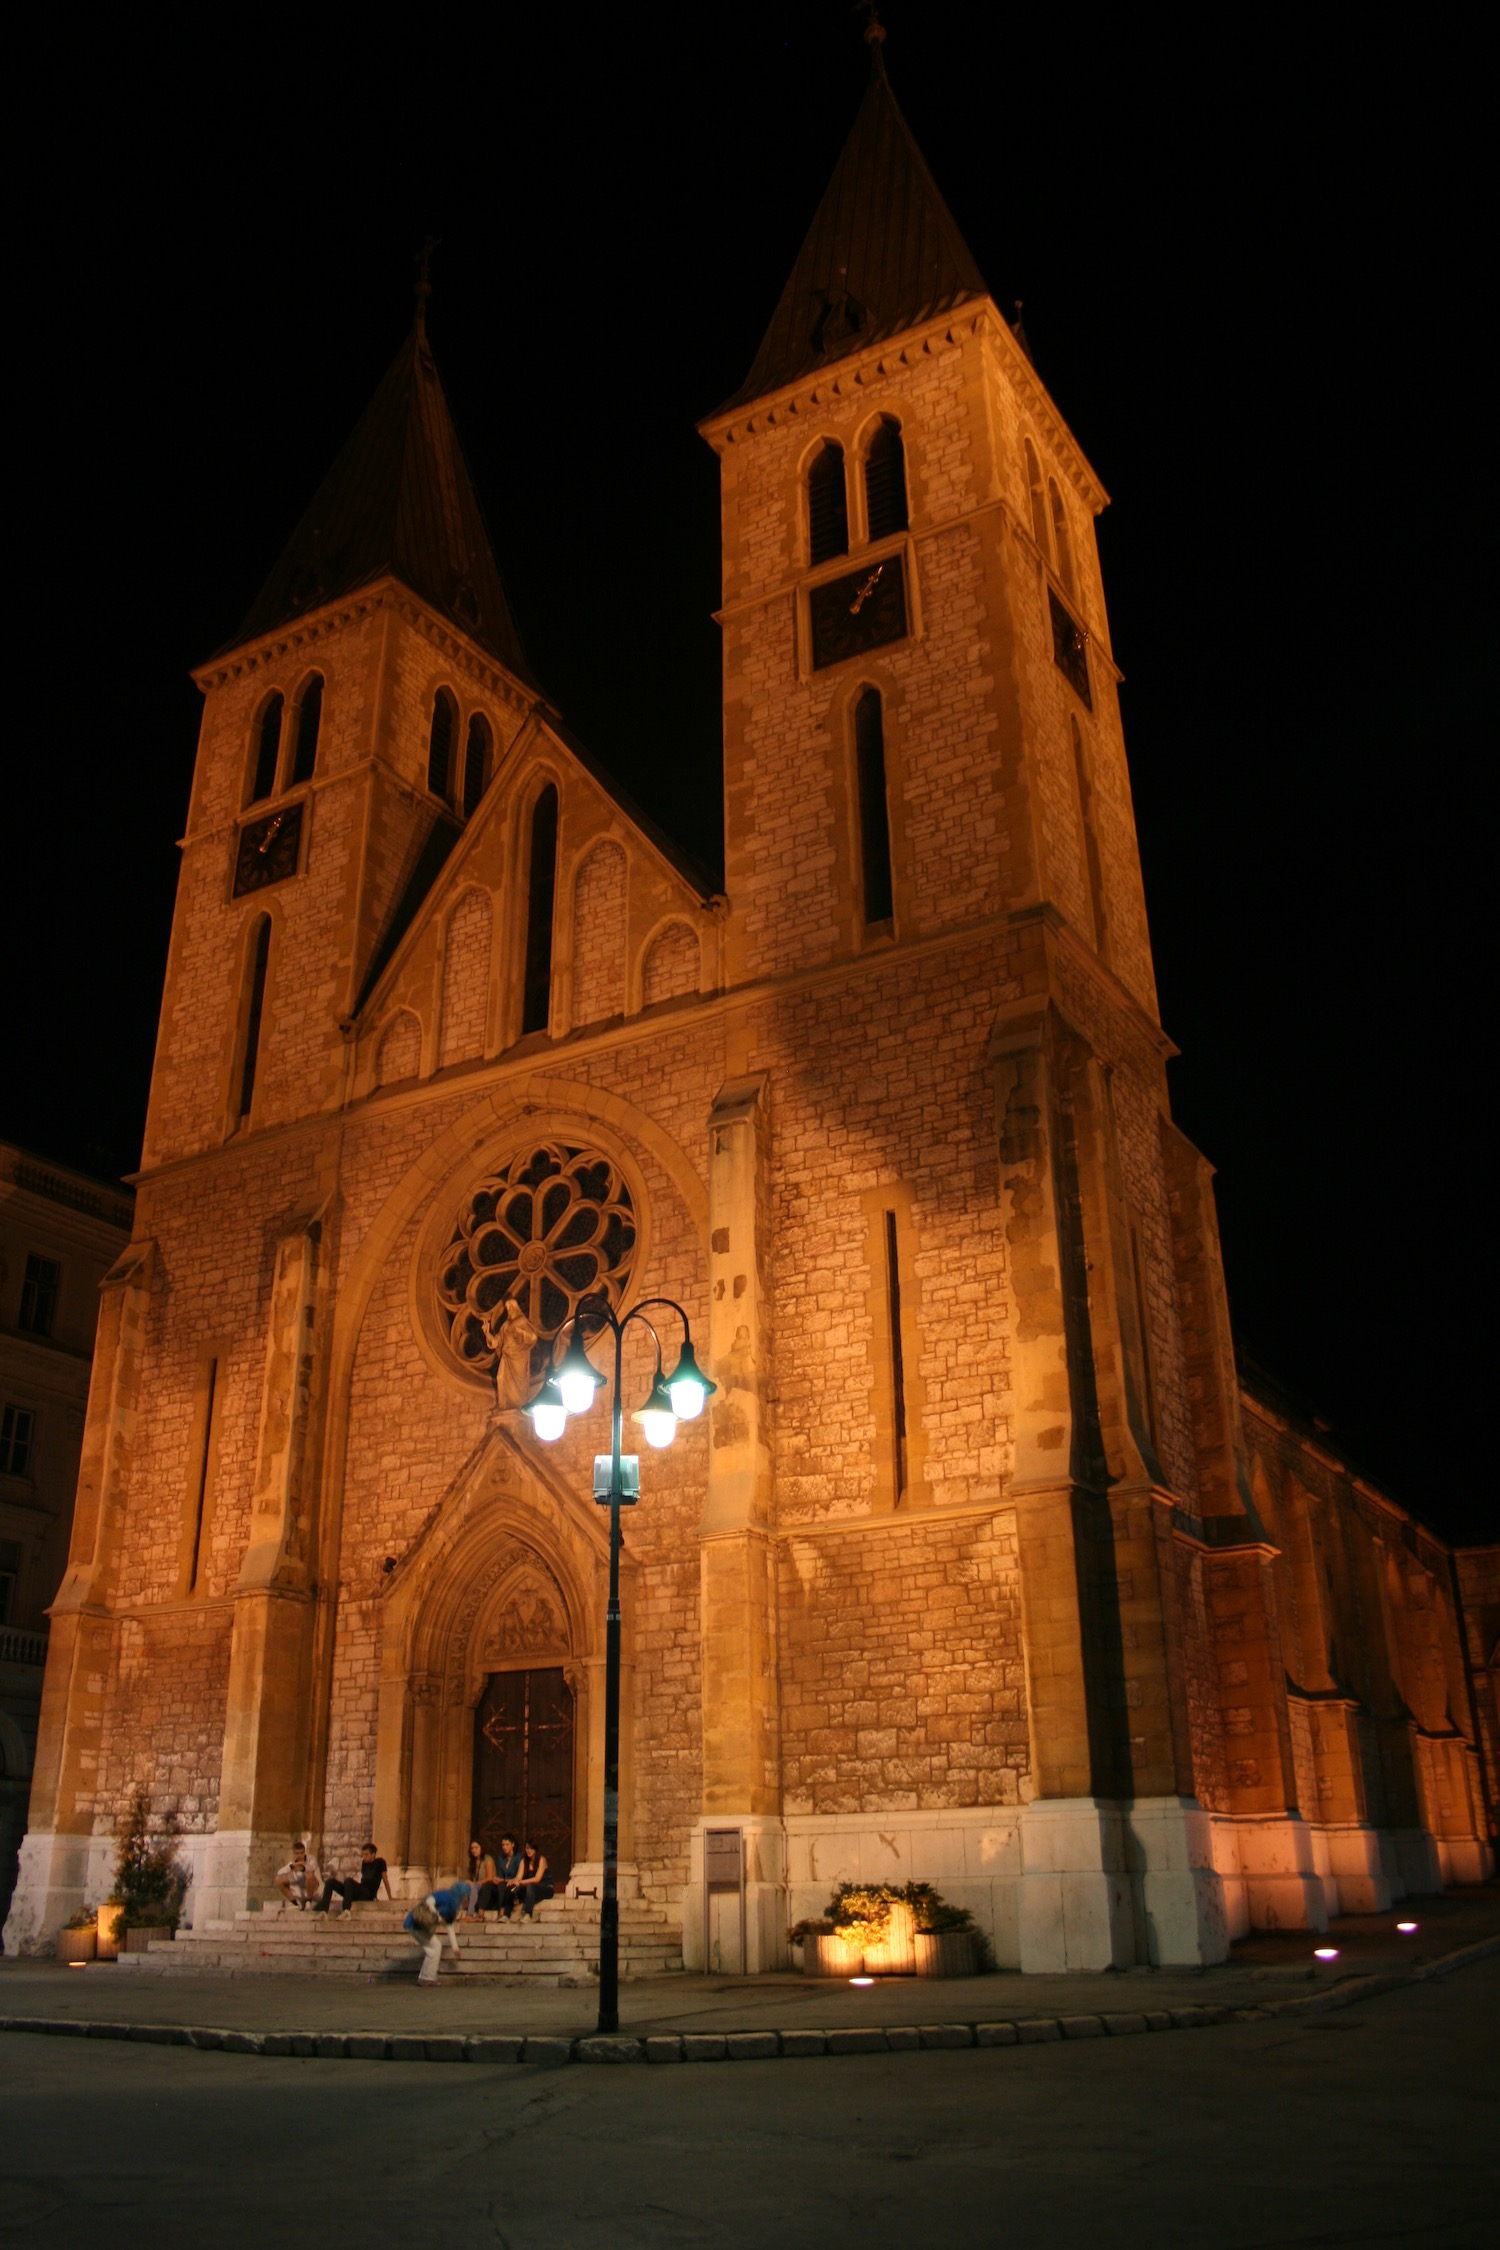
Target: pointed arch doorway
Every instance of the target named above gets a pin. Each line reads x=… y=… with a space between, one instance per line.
x=524 y=1764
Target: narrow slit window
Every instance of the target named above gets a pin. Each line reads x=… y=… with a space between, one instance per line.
x=1090 y=841
x=898 y=1369
x=476 y=763
x=440 y=746
x=267 y=749
x=540 y=897
x=1060 y=538
x=10 y=1579
x=874 y=815
x=203 y=1482
x=885 y=481
x=309 y=721
x=1038 y=500
x=827 y=506
x=260 y=962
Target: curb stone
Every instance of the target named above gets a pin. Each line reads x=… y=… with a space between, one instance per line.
x=739 y=2046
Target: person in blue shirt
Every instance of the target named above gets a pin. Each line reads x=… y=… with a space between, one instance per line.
x=433 y=1920
x=499 y=1894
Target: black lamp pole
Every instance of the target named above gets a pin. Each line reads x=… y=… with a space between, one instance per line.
x=609 y=1902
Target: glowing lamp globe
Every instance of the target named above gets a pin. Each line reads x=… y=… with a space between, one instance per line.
x=658 y=1418
x=576 y=1379
x=689 y=1386
x=549 y=1414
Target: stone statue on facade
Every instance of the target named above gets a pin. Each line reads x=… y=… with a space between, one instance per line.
x=512 y=1339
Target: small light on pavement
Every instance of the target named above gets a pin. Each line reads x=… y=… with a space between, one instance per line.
x=861 y=1980
x=1326 y=1952
x=1407 y=1929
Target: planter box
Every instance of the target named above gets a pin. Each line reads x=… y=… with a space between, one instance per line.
x=897 y=1955
x=108 y=1947
x=136 y=1941
x=830 y=1957
x=947 y=1953
x=76 y=1945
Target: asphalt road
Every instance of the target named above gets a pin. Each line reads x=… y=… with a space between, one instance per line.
x=1378 y=2124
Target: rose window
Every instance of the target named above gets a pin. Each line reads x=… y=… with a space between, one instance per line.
x=554 y=1227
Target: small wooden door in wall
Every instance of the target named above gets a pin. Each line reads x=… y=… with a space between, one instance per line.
x=523 y=1764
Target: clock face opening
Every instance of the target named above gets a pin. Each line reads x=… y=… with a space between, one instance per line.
x=864 y=609
x=268 y=850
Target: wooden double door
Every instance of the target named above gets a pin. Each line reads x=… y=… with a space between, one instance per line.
x=523 y=1764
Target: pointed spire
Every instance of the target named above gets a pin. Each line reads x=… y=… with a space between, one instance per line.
x=399 y=502
x=882 y=253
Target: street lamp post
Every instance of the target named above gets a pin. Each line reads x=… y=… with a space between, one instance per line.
x=567 y=1389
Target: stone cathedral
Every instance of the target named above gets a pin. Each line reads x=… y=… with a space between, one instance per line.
x=985 y=1565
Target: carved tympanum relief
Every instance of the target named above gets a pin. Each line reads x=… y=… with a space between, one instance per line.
x=529 y=1242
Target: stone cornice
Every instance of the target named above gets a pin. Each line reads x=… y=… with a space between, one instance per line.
x=465 y=655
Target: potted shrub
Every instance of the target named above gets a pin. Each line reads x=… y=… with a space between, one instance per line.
x=78 y=1938
x=825 y=1952
x=947 y=1943
x=150 y=1880
x=107 y=1945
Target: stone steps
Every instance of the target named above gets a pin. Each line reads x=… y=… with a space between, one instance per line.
x=560 y=1943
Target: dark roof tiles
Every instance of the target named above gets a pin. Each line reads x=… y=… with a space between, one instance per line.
x=399 y=502
x=882 y=254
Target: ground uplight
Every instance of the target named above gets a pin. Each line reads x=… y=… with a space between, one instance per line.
x=1325 y=1952
x=861 y=1980
x=1407 y=1929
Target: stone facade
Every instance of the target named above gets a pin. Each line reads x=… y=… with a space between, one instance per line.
x=983 y=1567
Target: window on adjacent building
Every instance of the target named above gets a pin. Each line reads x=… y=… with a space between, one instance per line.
x=440 y=745
x=10 y=1576
x=827 y=505
x=1060 y=539
x=476 y=763
x=260 y=961
x=1037 y=499
x=267 y=749
x=17 y=1436
x=885 y=481
x=309 y=720
x=39 y=1294
x=536 y=1005
x=874 y=816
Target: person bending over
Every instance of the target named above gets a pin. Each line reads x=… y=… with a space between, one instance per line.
x=361 y=1887
x=298 y=1878
x=433 y=1920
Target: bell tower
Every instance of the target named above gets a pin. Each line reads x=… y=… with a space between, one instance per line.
x=926 y=795
x=350 y=728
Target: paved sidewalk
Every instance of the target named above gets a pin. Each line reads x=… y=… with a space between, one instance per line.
x=1266 y=1971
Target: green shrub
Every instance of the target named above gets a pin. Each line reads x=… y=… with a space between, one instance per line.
x=150 y=1880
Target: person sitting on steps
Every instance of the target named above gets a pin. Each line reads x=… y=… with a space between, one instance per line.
x=481 y=1879
x=500 y=1892
x=361 y=1887
x=535 y=1883
x=298 y=1877
x=433 y=1920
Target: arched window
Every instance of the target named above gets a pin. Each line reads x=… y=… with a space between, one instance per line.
x=1038 y=501
x=827 y=506
x=440 y=746
x=536 y=1003
x=260 y=961
x=1060 y=537
x=309 y=720
x=885 y=481
x=267 y=749
x=476 y=763
x=874 y=817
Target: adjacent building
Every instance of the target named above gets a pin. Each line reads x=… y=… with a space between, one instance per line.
x=985 y=1566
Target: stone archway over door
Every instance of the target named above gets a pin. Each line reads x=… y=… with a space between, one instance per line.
x=523 y=1763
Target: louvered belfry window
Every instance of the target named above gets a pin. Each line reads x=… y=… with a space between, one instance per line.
x=440 y=745
x=267 y=750
x=827 y=506
x=309 y=720
x=885 y=481
x=476 y=763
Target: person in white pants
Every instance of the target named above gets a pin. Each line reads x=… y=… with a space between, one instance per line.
x=428 y=1924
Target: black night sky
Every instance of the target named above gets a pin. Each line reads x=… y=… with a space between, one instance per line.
x=1246 y=269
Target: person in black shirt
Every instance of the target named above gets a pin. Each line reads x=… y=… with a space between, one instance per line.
x=365 y=1885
